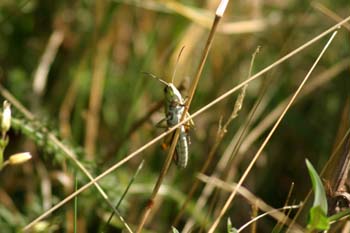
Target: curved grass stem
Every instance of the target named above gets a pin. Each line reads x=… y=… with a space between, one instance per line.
x=267 y=139
x=192 y=90
x=200 y=111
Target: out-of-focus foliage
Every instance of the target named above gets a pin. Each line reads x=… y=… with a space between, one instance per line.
x=106 y=46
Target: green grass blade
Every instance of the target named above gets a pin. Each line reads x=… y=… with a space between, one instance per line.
x=318 y=213
x=320 y=198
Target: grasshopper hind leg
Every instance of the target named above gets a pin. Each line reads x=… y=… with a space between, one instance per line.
x=166 y=142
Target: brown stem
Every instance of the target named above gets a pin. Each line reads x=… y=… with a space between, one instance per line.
x=169 y=158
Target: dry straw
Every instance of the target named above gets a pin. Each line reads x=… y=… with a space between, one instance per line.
x=258 y=153
x=208 y=106
x=219 y=13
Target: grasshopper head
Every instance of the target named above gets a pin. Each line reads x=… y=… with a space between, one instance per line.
x=172 y=93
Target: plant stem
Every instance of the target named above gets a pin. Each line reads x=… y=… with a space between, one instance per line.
x=170 y=155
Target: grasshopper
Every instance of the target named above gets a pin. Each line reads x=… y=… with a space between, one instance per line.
x=174 y=106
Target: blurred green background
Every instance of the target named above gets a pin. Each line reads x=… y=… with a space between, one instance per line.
x=77 y=66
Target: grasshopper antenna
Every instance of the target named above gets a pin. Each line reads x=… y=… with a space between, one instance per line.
x=177 y=62
x=155 y=77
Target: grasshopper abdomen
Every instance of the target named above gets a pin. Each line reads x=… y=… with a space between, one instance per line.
x=181 y=156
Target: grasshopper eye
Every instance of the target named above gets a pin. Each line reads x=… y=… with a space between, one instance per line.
x=165 y=89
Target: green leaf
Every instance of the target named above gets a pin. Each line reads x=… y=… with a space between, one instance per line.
x=318 y=219
x=320 y=198
x=318 y=213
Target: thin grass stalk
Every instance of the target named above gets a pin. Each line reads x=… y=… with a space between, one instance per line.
x=219 y=13
x=340 y=140
x=227 y=158
x=273 y=115
x=267 y=139
x=265 y=214
x=221 y=133
x=198 y=112
x=331 y=158
x=236 y=143
x=328 y=12
x=131 y=181
x=227 y=165
x=238 y=147
x=279 y=225
x=46 y=60
x=7 y=95
x=251 y=198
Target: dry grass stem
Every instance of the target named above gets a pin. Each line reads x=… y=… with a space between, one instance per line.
x=220 y=135
x=7 y=95
x=194 y=84
x=200 y=111
x=313 y=85
x=219 y=129
x=251 y=198
x=124 y=194
x=245 y=174
x=324 y=169
x=279 y=224
x=331 y=14
x=267 y=213
x=40 y=75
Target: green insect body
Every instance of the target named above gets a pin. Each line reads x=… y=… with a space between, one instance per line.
x=174 y=106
